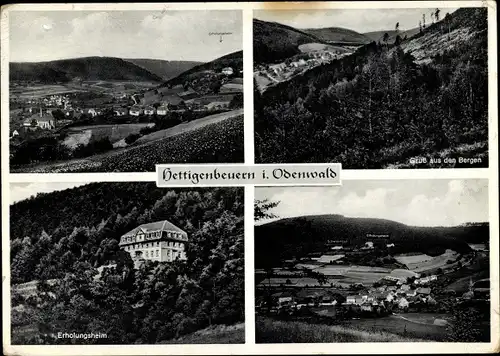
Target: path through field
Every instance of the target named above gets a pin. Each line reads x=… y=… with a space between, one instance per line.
x=95 y=161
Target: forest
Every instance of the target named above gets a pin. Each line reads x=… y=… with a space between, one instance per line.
x=380 y=106
x=66 y=235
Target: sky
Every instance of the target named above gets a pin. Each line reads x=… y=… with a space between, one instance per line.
x=362 y=21
x=21 y=191
x=37 y=36
x=433 y=202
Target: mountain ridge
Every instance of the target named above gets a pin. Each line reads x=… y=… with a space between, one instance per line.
x=83 y=68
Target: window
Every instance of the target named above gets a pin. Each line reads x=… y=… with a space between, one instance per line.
x=147 y=254
x=157 y=253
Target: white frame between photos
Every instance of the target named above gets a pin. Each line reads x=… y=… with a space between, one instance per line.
x=250 y=347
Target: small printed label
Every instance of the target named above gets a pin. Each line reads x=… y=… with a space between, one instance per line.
x=236 y=175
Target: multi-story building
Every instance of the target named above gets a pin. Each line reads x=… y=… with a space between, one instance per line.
x=159 y=241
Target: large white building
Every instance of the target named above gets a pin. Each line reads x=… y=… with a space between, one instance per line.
x=159 y=241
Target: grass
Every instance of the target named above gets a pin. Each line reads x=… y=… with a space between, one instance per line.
x=218 y=334
x=272 y=331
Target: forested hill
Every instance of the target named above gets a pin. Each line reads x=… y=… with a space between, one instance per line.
x=338 y=35
x=274 y=42
x=385 y=103
x=67 y=234
x=87 y=68
x=295 y=237
x=233 y=60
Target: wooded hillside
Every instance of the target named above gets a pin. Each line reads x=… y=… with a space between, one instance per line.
x=385 y=103
x=68 y=234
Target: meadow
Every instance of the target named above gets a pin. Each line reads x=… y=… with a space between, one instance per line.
x=273 y=331
x=217 y=334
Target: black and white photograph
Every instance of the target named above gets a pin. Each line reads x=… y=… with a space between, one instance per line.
x=372 y=88
x=126 y=263
x=373 y=261
x=121 y=91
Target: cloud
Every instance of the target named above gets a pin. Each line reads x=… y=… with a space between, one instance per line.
x=360 y=20
x=169 y=35
x=22 y=191
x=419 y=203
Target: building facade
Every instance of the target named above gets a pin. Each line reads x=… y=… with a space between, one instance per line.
x=159 y=241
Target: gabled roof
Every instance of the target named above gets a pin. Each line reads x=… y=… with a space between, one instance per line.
x=162 y=225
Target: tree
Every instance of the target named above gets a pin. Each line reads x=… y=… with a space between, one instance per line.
x=385 y=38
x=436 y=14
x=397 y=27
x=420 y=26
x=423 y=21
x=261 y=208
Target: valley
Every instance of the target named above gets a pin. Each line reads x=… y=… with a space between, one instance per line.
x=82 y=112
x=400 y=98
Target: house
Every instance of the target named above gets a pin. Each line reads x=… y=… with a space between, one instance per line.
x=389 y=245
x=366 y=307
x=120 y=111
x=217 y=105
x=369 y=244
x=389 y=297
x=336 y=248
x=162 y=110
x=149 y=110
x=92 y=112
x=330 y=258
x=355 y=299
x=14 y=134
x=411 y=293
x=158 y=241
x=403 y=303
x=423 y=291
x=405 y=287
x=227 y=71
x=135 y=111
x=41 y=120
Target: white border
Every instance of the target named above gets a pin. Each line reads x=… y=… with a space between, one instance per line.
x=250 y=347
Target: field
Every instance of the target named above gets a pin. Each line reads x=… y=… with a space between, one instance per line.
x=188 y=126
x=422 y=263
x=272 y=331
x=219 y=334
x=310 y=47
x=215 y=143
x=36 y=91
x=82 y=134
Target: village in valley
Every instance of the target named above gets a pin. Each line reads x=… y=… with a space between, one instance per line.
x=128 y=106
x=317 y=272
x=113 y=102
x=313 y=56
x=329 y=280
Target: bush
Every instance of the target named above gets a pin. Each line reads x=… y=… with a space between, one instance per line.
x=131 y=138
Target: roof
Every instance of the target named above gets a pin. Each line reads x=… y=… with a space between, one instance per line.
x=423 y=290
x=163 y=225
